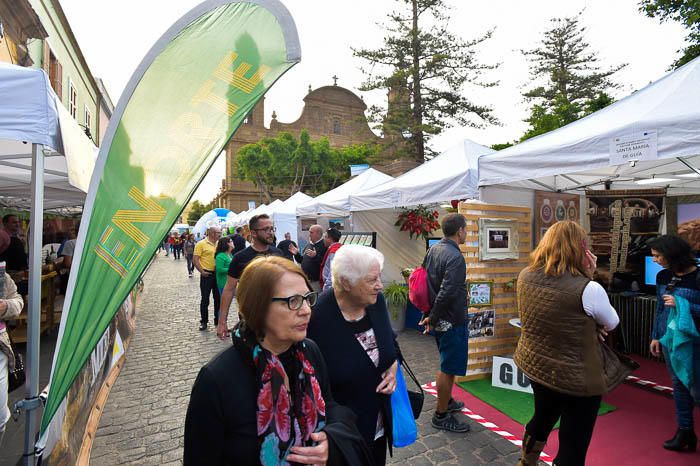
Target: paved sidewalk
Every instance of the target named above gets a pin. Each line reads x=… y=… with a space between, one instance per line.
x=143 y=422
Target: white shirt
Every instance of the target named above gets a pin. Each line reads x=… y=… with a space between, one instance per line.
x=597 y=305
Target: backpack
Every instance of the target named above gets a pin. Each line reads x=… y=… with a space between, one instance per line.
x=418 y=292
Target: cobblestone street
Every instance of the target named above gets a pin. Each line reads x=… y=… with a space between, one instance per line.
x=143 y=422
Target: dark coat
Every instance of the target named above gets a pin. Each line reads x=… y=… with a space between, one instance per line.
x=447 y=273
x=220 y=426
x=312 y=265
x=353 y=376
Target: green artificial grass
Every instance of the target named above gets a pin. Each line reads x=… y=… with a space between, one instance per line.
x=519 y=406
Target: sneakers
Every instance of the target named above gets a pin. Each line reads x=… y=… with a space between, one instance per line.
x=202 y=326
x=454 y=406
x=450 y=423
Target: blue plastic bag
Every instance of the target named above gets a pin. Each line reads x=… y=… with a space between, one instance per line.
x=404 y=426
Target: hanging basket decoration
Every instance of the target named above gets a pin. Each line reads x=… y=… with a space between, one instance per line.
x=419 y=221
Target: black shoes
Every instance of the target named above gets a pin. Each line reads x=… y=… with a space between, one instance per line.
x=454 y=406
x=202 y=326
x=684 y=438
x=450 y=423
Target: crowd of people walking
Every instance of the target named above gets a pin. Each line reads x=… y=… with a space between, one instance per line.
x=315 y=387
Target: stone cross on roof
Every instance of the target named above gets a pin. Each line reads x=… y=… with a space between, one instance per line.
x=335 y=80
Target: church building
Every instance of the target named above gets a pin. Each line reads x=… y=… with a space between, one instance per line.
x=330 y=111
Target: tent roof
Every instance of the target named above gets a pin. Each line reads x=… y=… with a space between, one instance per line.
x=337 y=201
x=450 y=175
x=31 y=113
x=579 y=153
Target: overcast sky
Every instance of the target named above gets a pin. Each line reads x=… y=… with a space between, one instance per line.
x=115 y=35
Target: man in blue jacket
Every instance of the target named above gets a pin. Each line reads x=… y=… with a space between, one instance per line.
x=447 y=272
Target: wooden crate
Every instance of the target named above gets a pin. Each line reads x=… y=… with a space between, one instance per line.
x=482 y=350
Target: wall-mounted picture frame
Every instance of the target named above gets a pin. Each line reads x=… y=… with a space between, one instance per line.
x=480 y=293
x=481 y=323
x=498 y=239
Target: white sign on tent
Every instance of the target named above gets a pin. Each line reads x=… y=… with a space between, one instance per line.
x=634 y=147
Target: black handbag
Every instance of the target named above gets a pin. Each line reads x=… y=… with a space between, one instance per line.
x=16 y=377
x=415 y=398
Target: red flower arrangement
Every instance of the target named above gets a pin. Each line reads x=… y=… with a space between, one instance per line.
x=419 y=221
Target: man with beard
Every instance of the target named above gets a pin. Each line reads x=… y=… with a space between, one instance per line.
x=262 y=240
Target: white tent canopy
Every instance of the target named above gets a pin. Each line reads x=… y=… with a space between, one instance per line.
x=336 y=202
x=285 y=217
x=450 y=175
x=579 y=154
x=31 y=113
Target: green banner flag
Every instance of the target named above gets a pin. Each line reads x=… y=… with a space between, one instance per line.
x=180 y=108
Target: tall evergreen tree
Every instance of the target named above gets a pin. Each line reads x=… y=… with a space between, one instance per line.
x=425 y=66
x=574 y=83
x=686 y=12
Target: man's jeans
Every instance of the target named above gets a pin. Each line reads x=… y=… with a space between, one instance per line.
x=190 y=265
x=208 y=285
x=685 y=398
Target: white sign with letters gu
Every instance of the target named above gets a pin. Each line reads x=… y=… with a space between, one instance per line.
x=505 y=374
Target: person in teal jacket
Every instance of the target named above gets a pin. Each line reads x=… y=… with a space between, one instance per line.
x=223 y=260
x=678 y=310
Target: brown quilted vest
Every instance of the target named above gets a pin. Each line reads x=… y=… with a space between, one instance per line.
x=559 y=346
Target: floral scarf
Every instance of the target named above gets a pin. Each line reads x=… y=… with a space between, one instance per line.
x=284 y=419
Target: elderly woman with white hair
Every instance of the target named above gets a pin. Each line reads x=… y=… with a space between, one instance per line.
x=350 y=324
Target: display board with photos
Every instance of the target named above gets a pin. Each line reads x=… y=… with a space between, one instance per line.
x=367 y=238
x=621 y=224
x=488 y=324
x=552 y=207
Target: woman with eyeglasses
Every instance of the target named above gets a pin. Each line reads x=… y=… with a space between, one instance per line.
x=678 y=295
x=266 y=400
x=351 y=326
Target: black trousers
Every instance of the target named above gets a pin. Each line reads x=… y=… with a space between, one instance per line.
x=578 y=415
x=379 y=451
x=208 y=285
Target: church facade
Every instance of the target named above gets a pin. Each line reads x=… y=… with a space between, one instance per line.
x=330 y=111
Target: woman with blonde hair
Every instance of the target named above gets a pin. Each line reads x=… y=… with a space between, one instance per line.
x=565 y=317
x=266 y=400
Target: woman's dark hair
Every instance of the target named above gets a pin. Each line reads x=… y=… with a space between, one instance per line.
x=222 y=245
x=676 y=251
x=334 y=234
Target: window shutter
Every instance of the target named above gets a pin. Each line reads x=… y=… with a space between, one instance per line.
x=58 y=81
x=46 y=65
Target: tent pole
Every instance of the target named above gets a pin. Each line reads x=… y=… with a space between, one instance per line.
x=34 y=315
x=682 y=160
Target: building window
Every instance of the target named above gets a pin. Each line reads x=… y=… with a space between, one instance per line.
x=251 y=205
x=336 y=126
x=248 y=120
x=72 y=100
x=55 y=72
x=88 y=119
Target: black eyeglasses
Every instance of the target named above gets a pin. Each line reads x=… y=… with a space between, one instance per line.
x=266 y=230
x=295 y=302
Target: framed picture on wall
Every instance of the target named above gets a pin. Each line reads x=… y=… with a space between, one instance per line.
x=480 y=293
x=481 y=323
x=498 y=239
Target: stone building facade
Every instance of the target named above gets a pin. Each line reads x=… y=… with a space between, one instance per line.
x=330 y=111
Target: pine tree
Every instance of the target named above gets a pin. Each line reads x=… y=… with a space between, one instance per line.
x=575 y=85
x=425 y=67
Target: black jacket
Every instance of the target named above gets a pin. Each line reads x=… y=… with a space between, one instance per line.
x=353 y=376
x=312 y=265
x=220 y=426
x=447 y=274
